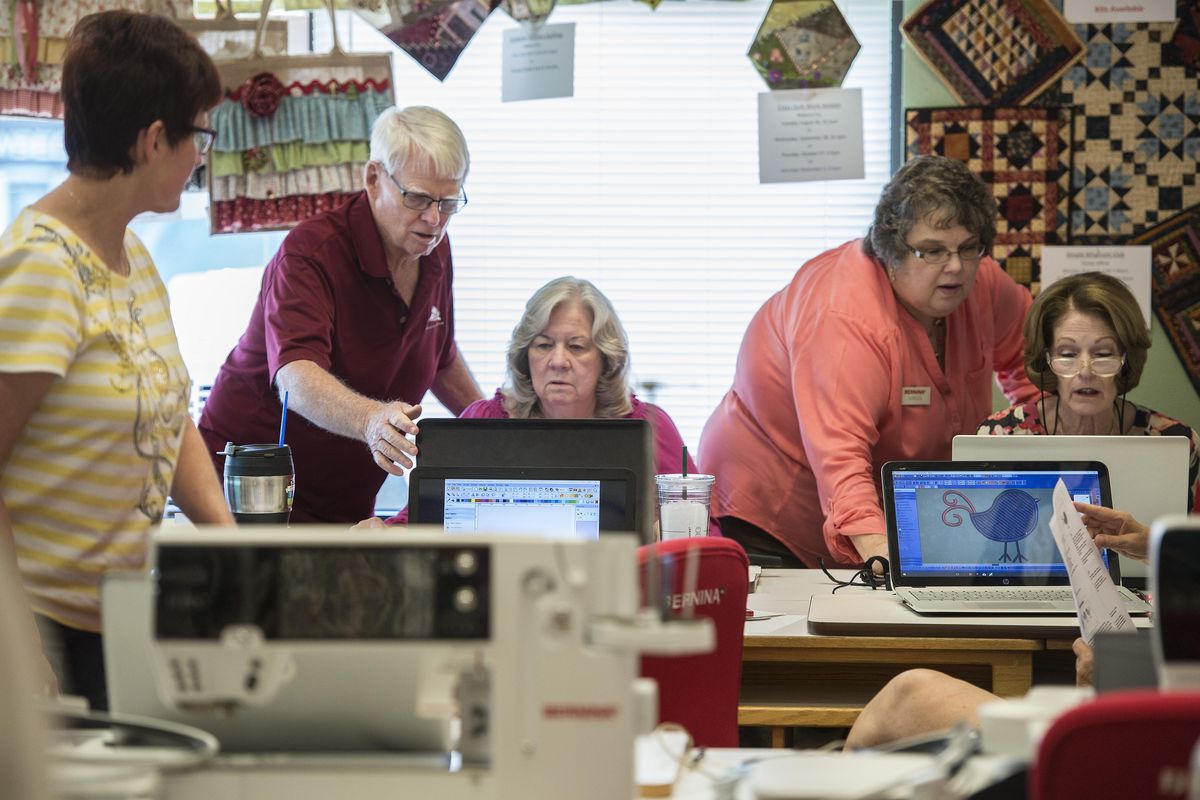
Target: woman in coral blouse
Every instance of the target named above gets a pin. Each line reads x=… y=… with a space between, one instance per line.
x=880 y=349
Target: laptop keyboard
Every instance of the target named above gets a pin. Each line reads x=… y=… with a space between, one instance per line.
x=1041 y=593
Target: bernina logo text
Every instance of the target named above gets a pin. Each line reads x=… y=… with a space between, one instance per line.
x=700 y=597
x=435 y=318
x=579 y=712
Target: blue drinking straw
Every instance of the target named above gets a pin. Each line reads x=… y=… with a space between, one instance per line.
x=683 y=471
x=283 y=419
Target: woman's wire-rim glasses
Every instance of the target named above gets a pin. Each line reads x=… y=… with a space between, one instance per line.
x=938 y=256
x=1070 y=366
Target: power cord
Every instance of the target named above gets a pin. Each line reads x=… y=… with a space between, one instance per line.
x=865 y=578
x=690 y=757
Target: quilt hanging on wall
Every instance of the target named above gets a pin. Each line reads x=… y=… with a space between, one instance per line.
x=1136 y=132
x=1175 y=284
x=1024 y=154
x=993 y=52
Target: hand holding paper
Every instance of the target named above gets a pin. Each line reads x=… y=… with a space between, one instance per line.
x=1116 y=530
x=1097 y=603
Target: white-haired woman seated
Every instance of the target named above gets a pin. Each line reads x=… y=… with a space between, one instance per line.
x=569 y=359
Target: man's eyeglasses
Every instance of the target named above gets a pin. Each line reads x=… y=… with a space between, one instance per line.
x=937 y=256
x=203 y=139
x=1070 y=366
x=419 y=202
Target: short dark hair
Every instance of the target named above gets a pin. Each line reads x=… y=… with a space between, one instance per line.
x=1100 y=295
x=122 y=71
x=939 y=190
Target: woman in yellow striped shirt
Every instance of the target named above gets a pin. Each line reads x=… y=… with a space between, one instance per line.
x=94 y=432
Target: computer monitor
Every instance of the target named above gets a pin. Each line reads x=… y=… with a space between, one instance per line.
x=553 y=444
x=1148 y=474
x=562 y=503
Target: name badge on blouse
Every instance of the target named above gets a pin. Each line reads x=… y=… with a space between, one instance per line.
x=914 y=396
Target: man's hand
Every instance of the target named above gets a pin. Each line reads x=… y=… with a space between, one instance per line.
x=385 y=435
x=1083 y=663
x=1116 y=530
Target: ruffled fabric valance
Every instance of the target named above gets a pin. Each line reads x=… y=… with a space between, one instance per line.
x=248 y=214
x=308 y=118
x=285 y=157
x=340 y=178
x=293 y=138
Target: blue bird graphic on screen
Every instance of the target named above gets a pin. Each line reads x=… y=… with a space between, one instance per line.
x=1012 y=517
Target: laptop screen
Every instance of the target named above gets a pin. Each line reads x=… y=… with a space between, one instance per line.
x=555 y=509
x=553 y=503
x=561 y=444
x=976 y=523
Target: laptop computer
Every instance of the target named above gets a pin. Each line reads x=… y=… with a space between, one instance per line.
x=626 y=444
x=973 y=537
x=561 y=503
x=1148 y=474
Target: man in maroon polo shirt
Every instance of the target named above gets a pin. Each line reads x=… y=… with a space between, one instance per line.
x=355 y=321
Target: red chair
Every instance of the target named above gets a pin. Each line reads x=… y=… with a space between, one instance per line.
x=1125 y=744
x=701 y=692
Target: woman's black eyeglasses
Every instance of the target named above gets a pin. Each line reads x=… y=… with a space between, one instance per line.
x=203 y=138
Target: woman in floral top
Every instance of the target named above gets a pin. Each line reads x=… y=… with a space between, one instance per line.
x=1085 y=348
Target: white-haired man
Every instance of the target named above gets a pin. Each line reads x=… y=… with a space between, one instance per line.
x=355 y=321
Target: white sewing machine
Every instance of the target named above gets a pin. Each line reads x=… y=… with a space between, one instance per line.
x=376 y=664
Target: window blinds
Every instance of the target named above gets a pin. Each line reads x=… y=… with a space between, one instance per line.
x=645 y=182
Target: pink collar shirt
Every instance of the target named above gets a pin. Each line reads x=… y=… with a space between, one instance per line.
x=833 y=379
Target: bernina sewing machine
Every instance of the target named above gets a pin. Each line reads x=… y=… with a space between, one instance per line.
x=343 y=664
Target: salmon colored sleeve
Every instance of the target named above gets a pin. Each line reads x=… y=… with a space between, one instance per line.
x=841 y=382
x=1010 y=304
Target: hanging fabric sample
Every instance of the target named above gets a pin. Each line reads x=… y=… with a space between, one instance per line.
x=434 y=32
x=1002 y=52
x=803 y=44
x=1024 y=154
x=535 y=12
x=1136 y=135
x=293 y=135
x=1185 y=43
x=33 y=42
x=1175 y=284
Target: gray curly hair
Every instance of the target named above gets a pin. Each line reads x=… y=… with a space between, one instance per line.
x=612 y=389
x=936 y=189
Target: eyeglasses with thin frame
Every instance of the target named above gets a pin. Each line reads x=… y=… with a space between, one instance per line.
x=937 y=256
x=203 y=139
x=1070 y=366
x=419 y=202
